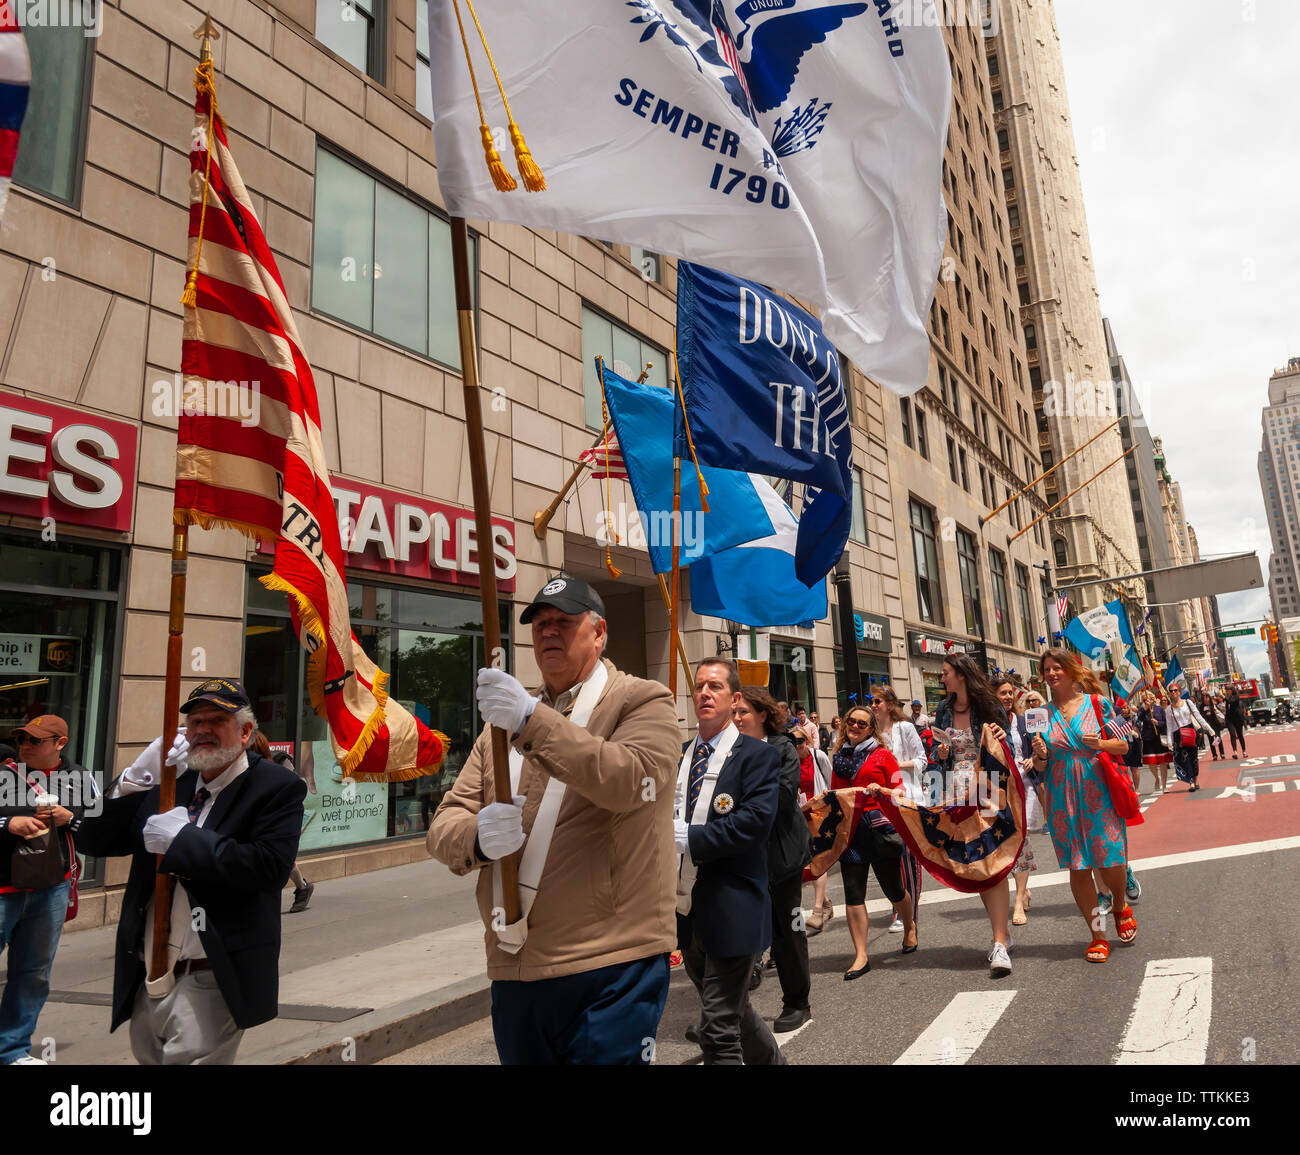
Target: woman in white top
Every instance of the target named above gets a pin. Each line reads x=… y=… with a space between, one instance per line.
x=900 y=737
x=1183 y=712
x=1007 y=692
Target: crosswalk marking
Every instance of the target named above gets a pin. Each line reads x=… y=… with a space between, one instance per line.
x=1170 y=1023
x=959 y=1029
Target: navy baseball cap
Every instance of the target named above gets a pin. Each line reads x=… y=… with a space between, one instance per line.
x=220 y=692
x=916 y=701
x=568 y=595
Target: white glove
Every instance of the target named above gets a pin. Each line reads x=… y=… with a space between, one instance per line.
x=146 y=770
x=503 y=701
x=501 y=827
x=161 y=829
x=681 y=836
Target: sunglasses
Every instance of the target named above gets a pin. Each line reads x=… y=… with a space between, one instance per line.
x=857 y=722
x=799 y=741
x=27 y=740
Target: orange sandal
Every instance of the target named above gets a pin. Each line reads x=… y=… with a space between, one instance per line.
x=1098 y=951
x=1126 y=925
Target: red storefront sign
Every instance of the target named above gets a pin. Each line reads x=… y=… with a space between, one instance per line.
x=56 y=462
x=409 y=536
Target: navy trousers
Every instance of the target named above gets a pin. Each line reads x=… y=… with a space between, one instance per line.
x=607 y=1016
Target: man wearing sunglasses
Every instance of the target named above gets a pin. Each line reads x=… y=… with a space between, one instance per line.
x=31 y=920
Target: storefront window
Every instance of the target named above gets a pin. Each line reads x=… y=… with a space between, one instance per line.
x=58 y=643
x=790 y=667
x=430 y=644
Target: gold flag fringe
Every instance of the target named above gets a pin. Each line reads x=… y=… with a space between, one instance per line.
x=203 y=83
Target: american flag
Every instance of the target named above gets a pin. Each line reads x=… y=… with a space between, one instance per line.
x=727 y=47
x=15 y=83
x=605 y=459
x=1062 y=607
x=1120 y=728
x=269 y=477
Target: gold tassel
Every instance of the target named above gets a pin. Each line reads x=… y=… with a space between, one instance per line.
x=534 y=181
x=203 y=85
x=500 y=176
x=690 y=441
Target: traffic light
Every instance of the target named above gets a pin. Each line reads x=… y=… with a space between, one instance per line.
x=1272 y=634
x=1263 y=633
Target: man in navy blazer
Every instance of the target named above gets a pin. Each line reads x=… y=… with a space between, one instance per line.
x=727 y=792
x=230 y=841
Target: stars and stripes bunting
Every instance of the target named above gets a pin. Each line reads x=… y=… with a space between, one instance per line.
x=1119 y=727
x=15 y=85
x=1062 y=607
x=262 y=470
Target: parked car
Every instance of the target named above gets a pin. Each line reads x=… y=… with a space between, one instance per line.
x=1264 y=710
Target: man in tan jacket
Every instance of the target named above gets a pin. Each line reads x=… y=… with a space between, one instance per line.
x=582 y=977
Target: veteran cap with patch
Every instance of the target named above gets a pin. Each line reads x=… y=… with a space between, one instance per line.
x=568 y=595
x=219 y=692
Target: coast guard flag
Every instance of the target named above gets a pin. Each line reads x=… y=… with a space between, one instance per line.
x=1128 y=676
x=755 y=583
x=15 y=84
x=643 y=422
x=797 y=142
x=763 y=393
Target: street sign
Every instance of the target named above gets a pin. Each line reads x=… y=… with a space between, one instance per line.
x=1247 y=631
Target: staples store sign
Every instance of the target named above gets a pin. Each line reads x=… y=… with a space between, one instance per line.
x=73 y=466
x=393 y=533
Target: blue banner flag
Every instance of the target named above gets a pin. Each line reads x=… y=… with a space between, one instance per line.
x=1174 y=673
x=643 y=421
x=763 y=394
x=755 y=583
x=1129 y=678
x=1093 y=630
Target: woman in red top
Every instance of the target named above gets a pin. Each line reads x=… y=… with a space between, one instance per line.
x=861 y=761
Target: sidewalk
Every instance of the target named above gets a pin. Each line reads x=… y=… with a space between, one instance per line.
x=386 y=959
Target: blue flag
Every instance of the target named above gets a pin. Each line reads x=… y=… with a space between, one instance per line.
x=1174 y=673
x=1093 y=630
x=755 y=583
x=643 y=421
x=763 y=394
x=1128 y=676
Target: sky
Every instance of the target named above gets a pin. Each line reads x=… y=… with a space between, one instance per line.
x=1187 y=127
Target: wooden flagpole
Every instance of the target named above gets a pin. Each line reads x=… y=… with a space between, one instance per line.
x=487 y=583
x=1030 y=485
x=1069 y=495
x=681 y=646
x=674 y=588
x=164 y=883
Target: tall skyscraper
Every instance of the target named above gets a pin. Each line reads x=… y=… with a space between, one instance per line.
x=1093 y=534
x=1279 y=480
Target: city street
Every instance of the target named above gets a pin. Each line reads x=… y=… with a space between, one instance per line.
x=1219 y=927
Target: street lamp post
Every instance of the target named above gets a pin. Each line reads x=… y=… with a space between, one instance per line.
x=848 y=632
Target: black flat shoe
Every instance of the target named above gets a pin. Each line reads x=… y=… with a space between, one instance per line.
x=791 y=1020
x=849 y=976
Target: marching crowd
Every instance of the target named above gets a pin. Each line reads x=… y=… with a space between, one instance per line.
x=639 y=853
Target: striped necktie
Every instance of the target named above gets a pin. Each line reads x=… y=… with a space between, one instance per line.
x=699 y=764
x=195 y=808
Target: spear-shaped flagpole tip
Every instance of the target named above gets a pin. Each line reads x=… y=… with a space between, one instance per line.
x=206 y=32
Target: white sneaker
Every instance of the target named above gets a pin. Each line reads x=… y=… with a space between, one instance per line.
x=999 y=961
x=896 y=927
x=29 y=1061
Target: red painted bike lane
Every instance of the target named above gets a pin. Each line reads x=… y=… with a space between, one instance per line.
x=1224 y=812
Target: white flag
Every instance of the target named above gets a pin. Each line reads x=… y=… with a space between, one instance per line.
x=795 y=142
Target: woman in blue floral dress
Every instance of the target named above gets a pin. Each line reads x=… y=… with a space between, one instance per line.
x=1086 y=831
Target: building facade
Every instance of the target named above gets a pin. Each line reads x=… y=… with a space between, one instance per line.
x=1093 y=534
x=1279 y=482
x=960 y=447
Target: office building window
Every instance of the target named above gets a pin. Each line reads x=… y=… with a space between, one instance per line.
x=1001 y=604
x=353 y=30
x=952 y=459
x=1022 y=598
x=905 y=409
x=846 y=380
x=623 y=351
x=1059 y=551
x=1031 y=337
x=52 y=144
x=922 y=446
x=382 y=262
x=858 y=526
x=968 y=569
x=965 y=476
x=1013 y=216
x=423 y=76
x=925 y=559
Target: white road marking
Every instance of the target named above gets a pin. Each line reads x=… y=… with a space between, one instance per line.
x=958 y=1030
x=1062 y=877
x=1170 y=1024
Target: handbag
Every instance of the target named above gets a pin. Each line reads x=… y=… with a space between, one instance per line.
x=1122 y=795
x=35 y=863
x=1186 y=736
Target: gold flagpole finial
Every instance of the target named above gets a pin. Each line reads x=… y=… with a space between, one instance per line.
x=206 y=32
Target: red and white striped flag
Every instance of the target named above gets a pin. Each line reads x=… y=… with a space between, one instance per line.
x=250 y=456
x=605 y=459
x=1062 y=607
x=15 y=84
